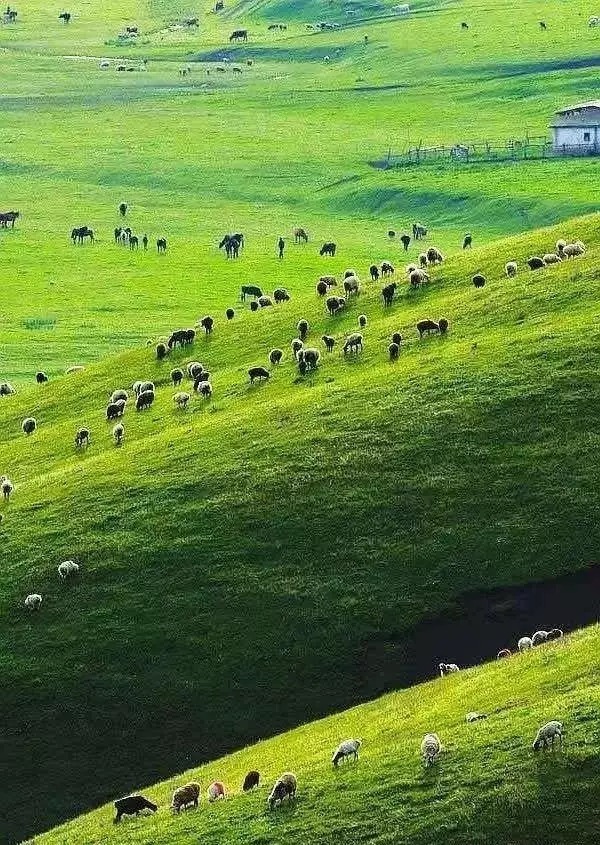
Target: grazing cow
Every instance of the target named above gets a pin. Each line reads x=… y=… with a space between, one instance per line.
x=250 y=290
x=328 y=249
x=7 y=217
x=405 y=242
x=239 y=35
x=161 y=245
x=78 y=235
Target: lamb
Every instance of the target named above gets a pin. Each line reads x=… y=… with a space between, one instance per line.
x=216 y=791
x=68 y=569
x=29 y=425
x=351 y=286
x=426 y=327
x=6 y=389
x=296 y=345
x=230 y=313
x=251 y=781
x=524 y=644
x=353 y=343
x=176 y=376
x=418 y=277
x=132 y=806
x=144 y=400
x=161 y=351
x=434 y=256
x=443 y=324
x=258 y=373
x=204 y=388
x=181 y=399
x=185 y=796
x=33 y=601
x=329 y=342
x=394 y=351
x=479 y=280
x=475 y=717
x=448 y=669
x=302 y=329
x=82 y=437
x=511 y=268
x=388 y=292
x=535 y=263
x=207 y=324
x=311 y=356
x=284 y=787
x=362 y=321
x=430 y=748
x=345 y=750
x=547 y=734
x=551 y=258
x=539 y=637
x=275 y=356
x=118 y=433
x=6 y=487
x=281 y=295
x=504 y=652
x=119 y=394
x=423 y=260
x=41 y=378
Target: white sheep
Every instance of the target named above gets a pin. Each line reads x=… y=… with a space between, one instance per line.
x=511 y=268
x=448 y=669
x=551 y=258
x=33 y=601
x=547 y=734
x=560 y=245
x=347 y=748
x=6 y=487
x=181 y=399
x=525 y=643
x=430 y=748
x=67 y=569
x=573 y=250
x=539 y=637
x=118 y=433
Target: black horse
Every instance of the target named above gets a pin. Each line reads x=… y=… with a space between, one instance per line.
x=161 y=245
x=328 y=249
x=79 y=234
x=232 y=244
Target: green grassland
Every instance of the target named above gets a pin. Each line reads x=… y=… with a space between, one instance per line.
x=487 y=786
x=222 y=547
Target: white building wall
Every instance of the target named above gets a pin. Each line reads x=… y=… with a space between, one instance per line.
x=573 y=136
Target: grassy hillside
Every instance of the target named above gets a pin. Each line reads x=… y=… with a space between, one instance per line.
x=221 y=548
x=488 y=785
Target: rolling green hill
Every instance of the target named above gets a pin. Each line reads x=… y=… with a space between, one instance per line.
x=221 y=548
x=487 y=786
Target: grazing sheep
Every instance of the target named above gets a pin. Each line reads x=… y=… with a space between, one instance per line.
x=524 y=644
x=559 y=246
x=176 y=376
x=144 y=400
x=185 y=796
x=352 y=286
x=426 y=327
x=68 y=569
x=475 y=717
x=302 y=329
x=82 y=437
x=6 y=389
x=394 y=351
x=387 y=269
x=349 y=273
x=504 y=652
x=6 y=487
x=448 y=669
x=41 y=378
x=511 y=268
x=113 y=411
x=302 y=367
x=330 y=281
x=321 y=288
x=430 y=748
x=33 y=601
x=284 y=787
x=204 y=388
x=555 y=634
x=353 y=343
x=547 y=734
x=418 y=277
x=146 y=386
x=230 y=313
x=265 y=301
x=136 y=388
x=251 y=781
x=333 y=305
x=118 y=433
x=161 y=351
x=207 y=324
x=119 y=394
x=551 y=258
x=479 y=280
x=374 y=271
x=296 y=345
x=535 y=263
x=388 y=292
x=275 y=356
x=28 y=426
x=311 y=356
x=329 y=342
x=216 y=791
x=345 y=750
x=194 y=368
x=397 y=338
x=423 y=260
x=132 y=806
x=539 y=637
x=281 y=295
x=362 y=321
x=181 y=399
x=443 y=324
x=434 y=256
x=254 y=306
x=573 y=250
x=258 y=373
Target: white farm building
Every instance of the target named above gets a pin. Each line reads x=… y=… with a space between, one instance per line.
x=576 y=130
